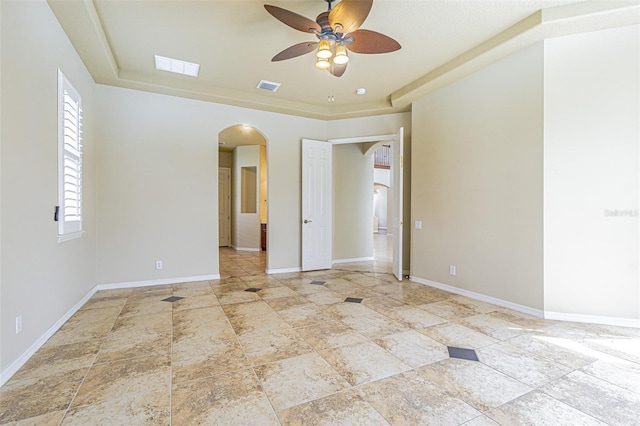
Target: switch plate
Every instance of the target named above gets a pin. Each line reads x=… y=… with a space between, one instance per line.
x=158 y=264
x=18 y=324
x=418 y=224
x=452 y=270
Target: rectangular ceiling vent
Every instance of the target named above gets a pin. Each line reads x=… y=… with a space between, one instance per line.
x=268 y=85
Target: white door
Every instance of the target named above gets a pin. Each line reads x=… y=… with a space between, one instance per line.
x=224 y=207
x=317 y=189
x=396 y=184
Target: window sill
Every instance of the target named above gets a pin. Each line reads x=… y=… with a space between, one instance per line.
x=69 y=236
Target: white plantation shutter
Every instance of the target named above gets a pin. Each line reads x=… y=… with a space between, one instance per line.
x=69 y=160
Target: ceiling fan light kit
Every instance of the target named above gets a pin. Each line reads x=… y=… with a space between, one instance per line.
x=324 y=50
x=341 y=56
x=323 y=64
x=337 y=31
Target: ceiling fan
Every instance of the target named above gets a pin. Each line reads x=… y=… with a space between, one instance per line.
x=337 y=31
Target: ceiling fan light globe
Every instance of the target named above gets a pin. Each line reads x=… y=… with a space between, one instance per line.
x=323 y=63
x=324 y=50
x=341 y=55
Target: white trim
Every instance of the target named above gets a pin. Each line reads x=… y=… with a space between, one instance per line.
x=69 y=236
x=22 y=359
x=246 y=249
x=165 y=281
x=593 y=319
x=70 y=123
x=478 y=296
x=373 y=138
x=283 y=270
x=355 y=259
x=559 y=316
x=230 y=178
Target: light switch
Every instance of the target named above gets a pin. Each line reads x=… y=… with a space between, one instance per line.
x=418 y=224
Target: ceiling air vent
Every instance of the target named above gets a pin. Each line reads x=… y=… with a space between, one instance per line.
x=268 y=85
x=176 y=65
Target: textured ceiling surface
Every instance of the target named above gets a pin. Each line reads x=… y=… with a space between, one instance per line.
x=234 y=42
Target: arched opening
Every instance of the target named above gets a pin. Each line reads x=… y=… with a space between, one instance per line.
x=382 y=216
x=242 y=200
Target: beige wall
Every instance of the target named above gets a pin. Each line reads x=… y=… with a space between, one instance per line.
x=592 y=87
x=160 y=202
x=352 y=202
x=477 y=181
x=157 y=187
x=225 y=159
x=41 y=279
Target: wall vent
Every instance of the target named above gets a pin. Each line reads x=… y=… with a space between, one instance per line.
x=268 y=85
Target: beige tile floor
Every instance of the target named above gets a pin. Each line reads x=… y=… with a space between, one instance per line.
x=294 y=353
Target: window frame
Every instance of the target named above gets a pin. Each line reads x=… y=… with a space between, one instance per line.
x=69 y=210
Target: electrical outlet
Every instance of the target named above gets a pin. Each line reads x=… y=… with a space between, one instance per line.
x=158 y=264
x=452 y=270
x=18 y=324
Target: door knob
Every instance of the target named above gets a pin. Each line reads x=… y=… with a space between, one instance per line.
x=307 y=221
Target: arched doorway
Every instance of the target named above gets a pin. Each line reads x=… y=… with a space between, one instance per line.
x=242 y=198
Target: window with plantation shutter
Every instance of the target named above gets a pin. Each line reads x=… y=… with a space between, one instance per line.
x=69 y=210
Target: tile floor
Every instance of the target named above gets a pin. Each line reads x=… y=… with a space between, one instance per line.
x=295 y=353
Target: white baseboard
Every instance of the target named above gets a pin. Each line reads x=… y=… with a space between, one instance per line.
x=478 y=296
x=22 y=359
x=355 y=259
x=164 y=281
x=559 y=316
x=246 y=249
x=283 y=270
x=593 y=319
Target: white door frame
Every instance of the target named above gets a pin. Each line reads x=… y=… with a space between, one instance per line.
x=227 y=170
x=397 y=171
x=317 y=205
x=399 y=199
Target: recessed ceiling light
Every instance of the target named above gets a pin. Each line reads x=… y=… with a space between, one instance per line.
x=361 y=91
x=175 y=65
x=268 y=85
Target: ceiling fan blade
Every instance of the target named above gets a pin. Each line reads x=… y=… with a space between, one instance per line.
x=295 y=50
x=293 y=20
x=348 y=15
x=338 y=70
x=367 y=41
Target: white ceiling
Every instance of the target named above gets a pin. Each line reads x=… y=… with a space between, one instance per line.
x=235 y=40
